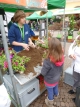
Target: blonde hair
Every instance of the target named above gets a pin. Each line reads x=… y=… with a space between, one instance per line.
x=55 y=49
x=18 y=15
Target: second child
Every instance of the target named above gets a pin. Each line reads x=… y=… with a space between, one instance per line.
x=52 y=68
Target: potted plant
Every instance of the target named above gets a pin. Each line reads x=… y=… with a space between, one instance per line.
x=71 y=28
x=18 y=63
x=70 y=39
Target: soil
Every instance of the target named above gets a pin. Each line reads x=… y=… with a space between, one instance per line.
x=36 y=58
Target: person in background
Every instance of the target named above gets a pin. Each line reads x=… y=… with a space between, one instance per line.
x=10 y=23
x=74 y=53
x=19 y=33
x=29 y=24
x=52 y=68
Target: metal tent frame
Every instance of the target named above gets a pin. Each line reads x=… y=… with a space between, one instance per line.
x=8 y=58
x=9 y=62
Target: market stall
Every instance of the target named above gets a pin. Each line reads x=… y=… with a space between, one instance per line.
x=49 y=14
x=22 y=89
x=33 y=16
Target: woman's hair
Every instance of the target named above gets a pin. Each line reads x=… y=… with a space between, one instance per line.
x=78 y=23
x=55 y=49
x=18 y=15
x=12 y=19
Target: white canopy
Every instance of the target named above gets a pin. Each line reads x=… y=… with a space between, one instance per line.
x=67 y=11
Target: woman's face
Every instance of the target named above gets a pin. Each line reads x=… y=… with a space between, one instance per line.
x=22 y=20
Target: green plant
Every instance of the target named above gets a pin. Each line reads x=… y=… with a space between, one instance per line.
x=18 y=63
x=2 y=59
x=71 y=25
x=44 y=54
x=44 y=45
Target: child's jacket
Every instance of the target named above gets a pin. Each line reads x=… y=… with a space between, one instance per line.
x=51 y=71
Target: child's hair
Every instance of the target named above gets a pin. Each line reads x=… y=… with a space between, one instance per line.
x=77 y=42
x=78 y=38
x=55 y=49
x=18 y=15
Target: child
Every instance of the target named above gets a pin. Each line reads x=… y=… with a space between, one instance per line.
x=52 y=68
x=75 y=54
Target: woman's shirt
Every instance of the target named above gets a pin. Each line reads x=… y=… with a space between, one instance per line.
x=77 y=60
x=14 y=34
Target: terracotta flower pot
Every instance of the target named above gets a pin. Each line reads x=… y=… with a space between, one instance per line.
x=70 y=40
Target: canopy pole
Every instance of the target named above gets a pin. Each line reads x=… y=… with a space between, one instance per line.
x=47 y=25
x=64 y=45
x=64 y=37
x=8 y=59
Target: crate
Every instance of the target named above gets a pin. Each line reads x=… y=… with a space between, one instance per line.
x=68 y=76
x=26 y=93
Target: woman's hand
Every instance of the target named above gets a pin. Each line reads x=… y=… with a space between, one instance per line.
x=72 y=56
x=25 y=46
x=31 y=44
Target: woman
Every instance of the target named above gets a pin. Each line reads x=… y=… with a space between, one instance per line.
x=19 y=33
x=74 y=53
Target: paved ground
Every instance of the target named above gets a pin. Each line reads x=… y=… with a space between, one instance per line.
x=64 y=99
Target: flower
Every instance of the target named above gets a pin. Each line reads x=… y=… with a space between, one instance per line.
x=5 y=65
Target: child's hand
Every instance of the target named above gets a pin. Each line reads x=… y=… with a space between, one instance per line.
x=41 y=63
x=72 y=56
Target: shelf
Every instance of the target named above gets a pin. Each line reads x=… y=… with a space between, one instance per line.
x=23 y=79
